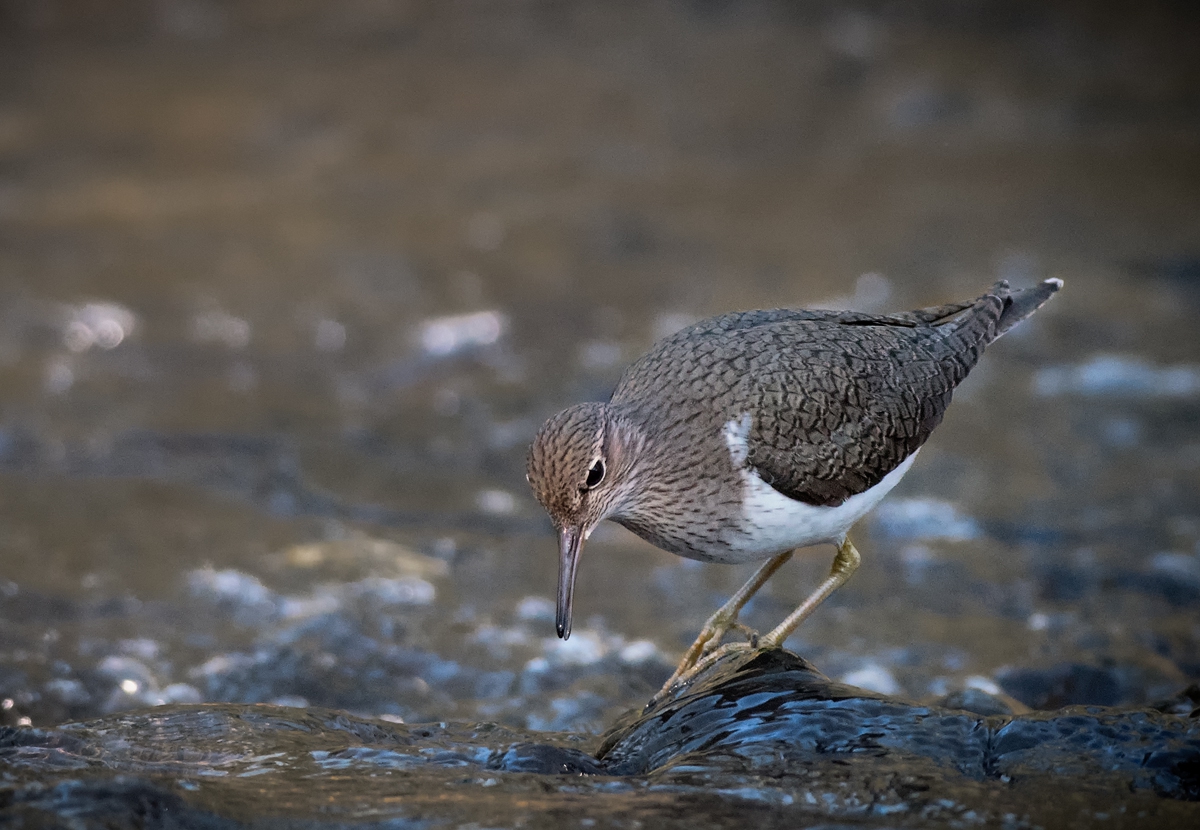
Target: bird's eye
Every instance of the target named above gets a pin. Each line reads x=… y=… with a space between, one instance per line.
x=595 y=475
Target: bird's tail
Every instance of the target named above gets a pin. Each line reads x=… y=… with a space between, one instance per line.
x=1021 y=303
x=962 y=331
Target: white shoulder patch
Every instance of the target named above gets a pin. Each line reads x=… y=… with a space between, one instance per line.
x=737 y=438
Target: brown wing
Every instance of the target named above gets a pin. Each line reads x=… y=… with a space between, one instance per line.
x=839 y=399
x=840 y=403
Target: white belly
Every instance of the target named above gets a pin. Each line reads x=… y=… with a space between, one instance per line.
x=773 y=523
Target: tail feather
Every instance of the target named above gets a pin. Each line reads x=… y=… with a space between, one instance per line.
x=1021 y=303
x=962 y=338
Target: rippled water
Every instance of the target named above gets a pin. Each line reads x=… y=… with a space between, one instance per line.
x=285 y=290
x=762 y=737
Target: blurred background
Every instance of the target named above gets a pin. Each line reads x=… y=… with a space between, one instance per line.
x=287 y=286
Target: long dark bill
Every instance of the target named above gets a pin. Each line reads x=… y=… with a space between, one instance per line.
x=570 y=542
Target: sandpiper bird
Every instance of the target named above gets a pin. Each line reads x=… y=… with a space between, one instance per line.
x=748 y=435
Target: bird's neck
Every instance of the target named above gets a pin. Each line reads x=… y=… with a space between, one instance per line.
x=643 y=465
x=628 y=451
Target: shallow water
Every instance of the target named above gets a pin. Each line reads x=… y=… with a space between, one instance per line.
x=285 y=290
x=761 y=737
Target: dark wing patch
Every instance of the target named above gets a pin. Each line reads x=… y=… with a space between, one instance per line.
x=836 y=413
x=839 y=398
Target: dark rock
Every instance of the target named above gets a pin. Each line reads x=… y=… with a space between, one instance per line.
x=1187 y=702
x=1061 y=582
x=114 y=804
x=975 y=701
x=546 y=760
x=760 y=738
x=1065 y=685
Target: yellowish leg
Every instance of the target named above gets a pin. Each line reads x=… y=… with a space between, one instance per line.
x=845 y=563
x=725 y=618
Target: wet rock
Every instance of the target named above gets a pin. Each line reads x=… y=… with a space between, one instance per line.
x=977 y=702
x=1064 y=582
x=776 y=715
x=1173 y=577
x=760 y=737
x=1066 y=685
x=546 y=760
x=114 y=803
x=1187 y=702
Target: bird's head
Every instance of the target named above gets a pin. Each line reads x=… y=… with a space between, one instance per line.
x=579 y=468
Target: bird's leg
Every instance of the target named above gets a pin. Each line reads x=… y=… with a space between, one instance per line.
x=844 y=564
x=724 y=619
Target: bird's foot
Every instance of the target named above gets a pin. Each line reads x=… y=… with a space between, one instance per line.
x=715 y=642
x=709 y=638
x=725 y=618
x=683 y=676
x=708 y=644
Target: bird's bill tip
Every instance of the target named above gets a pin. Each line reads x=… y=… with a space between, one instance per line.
x=570 y=542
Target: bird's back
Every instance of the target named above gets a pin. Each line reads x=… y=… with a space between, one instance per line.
x=837 y=399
